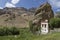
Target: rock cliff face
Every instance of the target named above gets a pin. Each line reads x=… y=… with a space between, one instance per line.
x=44 y=12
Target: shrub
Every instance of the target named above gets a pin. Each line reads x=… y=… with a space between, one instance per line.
x=2 y=32
x=31 y=26
x=14 y=31
x=55 y=23
x=34 y=27
x=9 y=31
x=6 y=30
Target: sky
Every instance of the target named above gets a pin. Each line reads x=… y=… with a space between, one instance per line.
x=29 y=3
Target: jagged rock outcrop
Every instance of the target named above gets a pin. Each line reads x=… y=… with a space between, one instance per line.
x=44 y=12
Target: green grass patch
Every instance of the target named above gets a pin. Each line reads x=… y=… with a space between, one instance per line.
x=25 y=34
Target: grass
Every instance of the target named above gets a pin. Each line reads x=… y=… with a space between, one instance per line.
x=25 y=34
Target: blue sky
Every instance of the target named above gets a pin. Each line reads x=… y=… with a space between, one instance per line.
x=29 y=3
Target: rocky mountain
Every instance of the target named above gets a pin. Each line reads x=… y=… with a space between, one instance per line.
x=44 y=12
x=19 y=10
x=18 y=16
x=57 y=14
x=32 y=9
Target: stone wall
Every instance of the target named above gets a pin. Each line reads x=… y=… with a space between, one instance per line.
x=55 y=30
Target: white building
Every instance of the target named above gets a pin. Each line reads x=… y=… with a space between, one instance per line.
x=44 y=27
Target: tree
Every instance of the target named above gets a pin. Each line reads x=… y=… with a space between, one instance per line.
x=54 y=23
x=33 y=27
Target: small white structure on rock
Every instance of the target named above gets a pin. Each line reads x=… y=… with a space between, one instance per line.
x=44 y=27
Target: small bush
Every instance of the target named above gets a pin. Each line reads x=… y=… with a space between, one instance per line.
x=31 y=25
x=34 y=27
x=9 y=31
x=14 y=31
x=2 y=32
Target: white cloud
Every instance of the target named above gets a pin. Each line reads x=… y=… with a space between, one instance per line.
x=58 y=9
x=55 y=3
x=1 y=8
x=14 y=1
x=9 y=5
